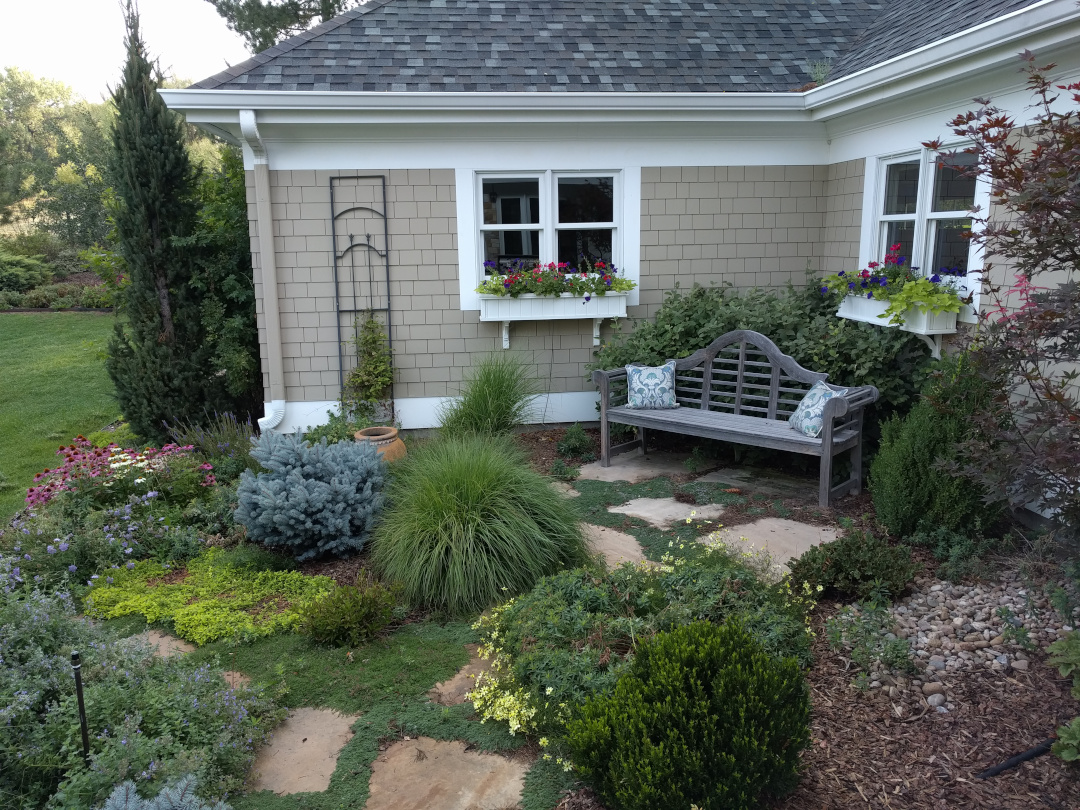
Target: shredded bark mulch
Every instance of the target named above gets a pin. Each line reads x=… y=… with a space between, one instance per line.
x=343 y=572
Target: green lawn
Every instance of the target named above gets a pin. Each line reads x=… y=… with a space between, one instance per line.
x=53 y=386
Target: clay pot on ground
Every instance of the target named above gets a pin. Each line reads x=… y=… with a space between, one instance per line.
x=386 y=440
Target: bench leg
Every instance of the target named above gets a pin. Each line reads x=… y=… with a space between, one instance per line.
x=641 y=431
x=825 y=479
x=856 y=467
x=605 y=441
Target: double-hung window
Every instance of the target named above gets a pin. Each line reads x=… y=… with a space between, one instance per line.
x=566 y=217
x=924 y=203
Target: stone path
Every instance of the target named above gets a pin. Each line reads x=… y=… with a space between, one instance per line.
x=166 y=645
x=427 y=774
x=781 y=538
x=635 y=468
x=303 y=751
x=452 y=692
x=616 y=547
x=663 y=512
x=751 y=481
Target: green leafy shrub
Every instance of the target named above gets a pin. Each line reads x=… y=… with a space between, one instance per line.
x=151 y=719
x=315 y=499
x=575 y=443
x=802 y=323
x=21 y=273
x=704 y=717
x=373 y=375
x=1065 y=655
x=962 y=556
x=122 y=436
x=59 y=296
x=180 y=796
x=471 y=523
x=351 y=614
x=909 y=488
x=496 y=397
x=220 y=595
x=563 y=471
x=857 y=564
x=568 y=639
x=222 y=439
x=341 y=427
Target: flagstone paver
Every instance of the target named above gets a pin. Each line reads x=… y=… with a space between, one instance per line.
x=303 y=751
x=663 y=512
x=635 y=468
x=452 y=692
x=424 y=774
x=783 y=539
x=615 y=546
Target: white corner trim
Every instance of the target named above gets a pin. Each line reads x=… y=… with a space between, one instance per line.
x=274 y=413
x=631 y=231
x=467 y=242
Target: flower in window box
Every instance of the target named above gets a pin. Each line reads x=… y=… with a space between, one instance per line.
x=554 y=279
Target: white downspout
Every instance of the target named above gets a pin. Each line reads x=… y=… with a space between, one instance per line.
x=264 y=216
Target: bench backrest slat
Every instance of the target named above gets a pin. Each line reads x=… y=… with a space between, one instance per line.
x=743 y=372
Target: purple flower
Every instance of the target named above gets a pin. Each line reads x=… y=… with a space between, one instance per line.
x=50 y=549
x=27 y=557
x=935 y=279
x=870 y=295
x=130 y=565
x=64 y=546
x=72 y=568
x=824 y=290
x=851 y=285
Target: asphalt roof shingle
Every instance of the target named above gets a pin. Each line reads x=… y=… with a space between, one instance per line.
x=592 y=45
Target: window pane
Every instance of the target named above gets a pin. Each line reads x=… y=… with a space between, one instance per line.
x=901 y=187
x=901 y=233
x=586 y=199
x=577 y=245
x=950 y=245
x=507 y=247
x=511 y=202
x=952 y=190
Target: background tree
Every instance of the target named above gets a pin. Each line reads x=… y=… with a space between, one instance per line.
x=161 y=363
x=263 y=23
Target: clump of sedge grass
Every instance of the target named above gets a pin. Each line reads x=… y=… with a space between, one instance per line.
x=471 y=524
x=496 y=397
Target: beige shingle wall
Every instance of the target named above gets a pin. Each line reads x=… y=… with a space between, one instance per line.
x=744 y=225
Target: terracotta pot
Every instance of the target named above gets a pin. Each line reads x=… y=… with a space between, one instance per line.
x=386 y=442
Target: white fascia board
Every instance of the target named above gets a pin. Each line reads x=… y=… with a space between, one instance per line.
x=1044 y=26
x=290 y=107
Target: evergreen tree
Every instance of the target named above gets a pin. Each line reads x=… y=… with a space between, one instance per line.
x=263 y=23
x=160 y=363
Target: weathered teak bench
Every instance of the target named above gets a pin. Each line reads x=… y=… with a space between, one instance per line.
x=742 y=389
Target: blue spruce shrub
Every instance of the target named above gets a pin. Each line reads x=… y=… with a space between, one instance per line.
x=179 y=797
x=316 y=499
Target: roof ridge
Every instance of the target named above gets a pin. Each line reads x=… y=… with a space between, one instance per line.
x=286 y=45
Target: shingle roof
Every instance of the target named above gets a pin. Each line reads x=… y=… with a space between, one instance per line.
x=593 y=45
x=911 y=24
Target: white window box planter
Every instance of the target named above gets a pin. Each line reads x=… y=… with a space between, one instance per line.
x=529 y=307
x=924 y=324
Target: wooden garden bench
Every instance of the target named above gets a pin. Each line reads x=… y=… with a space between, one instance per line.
x=741 y=388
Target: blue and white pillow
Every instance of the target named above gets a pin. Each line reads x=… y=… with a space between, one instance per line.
x=651 y=388
x=809 y=418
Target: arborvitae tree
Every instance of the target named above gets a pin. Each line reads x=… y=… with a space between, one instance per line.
x=160 y=363
x=263 y=23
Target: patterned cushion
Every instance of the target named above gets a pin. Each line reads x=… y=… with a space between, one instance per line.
x=651 y=388
x=808 y=418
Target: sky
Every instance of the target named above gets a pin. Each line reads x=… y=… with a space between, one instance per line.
x=80 y=42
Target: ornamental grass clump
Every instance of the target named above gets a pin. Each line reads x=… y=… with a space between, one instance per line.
x=496 y=397
x=470 y=524
x=315 y=499
x=704 y=717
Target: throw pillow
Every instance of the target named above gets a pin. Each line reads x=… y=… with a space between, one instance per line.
x=809 y=418
x=651 y=388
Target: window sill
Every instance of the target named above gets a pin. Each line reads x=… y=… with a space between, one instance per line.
x=529 y=307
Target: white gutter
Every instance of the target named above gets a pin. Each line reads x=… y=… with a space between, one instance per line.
x=1043 y=26
x=264 y=217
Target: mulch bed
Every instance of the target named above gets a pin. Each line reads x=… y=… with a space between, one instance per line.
x=342 y=571
x=863 y=755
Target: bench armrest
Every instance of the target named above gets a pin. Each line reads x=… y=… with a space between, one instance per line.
x=860 y=396
x=603 y=380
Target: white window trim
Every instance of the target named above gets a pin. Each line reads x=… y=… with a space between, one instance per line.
x=626 y=236
x=872 y=247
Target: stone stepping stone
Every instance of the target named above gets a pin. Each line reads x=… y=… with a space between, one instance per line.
x=424 y=774
x=303 y=752
x=783 y=539
x=565 y=489
x=616 y=547
x=663 y=512
x=236 y=679
x=452 y=692
x=752 y=481
x=164 y=644
x=634 y=468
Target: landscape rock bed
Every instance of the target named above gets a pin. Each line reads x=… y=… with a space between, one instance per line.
x=955 y=629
